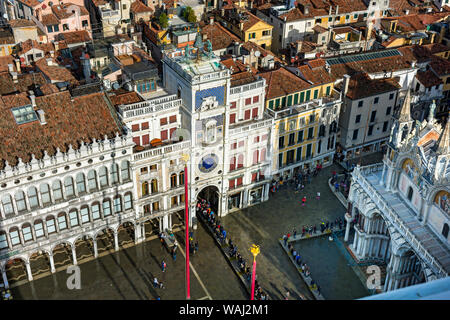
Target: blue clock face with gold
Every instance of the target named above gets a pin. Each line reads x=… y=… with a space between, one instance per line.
x=208 y=163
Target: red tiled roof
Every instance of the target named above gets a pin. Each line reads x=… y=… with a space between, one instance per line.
x=139 y=7
x=440 y=66
x=30 y=3
x=49 y=19
x=316 y=75
x=55 y=72
x=220 y=37
x=25 y=82
x=361 y=86
x=69 y=121
x=281 y=82
x=249 y=46
x=62 y=10
x=75 y=36
x=21 y=23
x=30 y=44
x=428 y=78
x=436 y=47
x=4 y=61
x=125 y=97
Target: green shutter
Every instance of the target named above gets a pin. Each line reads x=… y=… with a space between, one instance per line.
x=277 y=103
x=296 y=98
x=302 y=97
x=283 y=102
x=308 y=95
x=289 y=101
x=271 y=104
x=328 y=91
x=315 y=93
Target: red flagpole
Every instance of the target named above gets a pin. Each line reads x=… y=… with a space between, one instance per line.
x=253 y=279
x=186 y=219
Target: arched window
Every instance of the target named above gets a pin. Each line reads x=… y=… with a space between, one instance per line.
x=57 y=190
x=404 y=132
x=95 y=208
x=50 y=223
x=154 y=185
x=73 y=217
x=33 y=197
x=103 y=177
x=20 y=201
x=68 y=186
x=117 y=204
x=39 y=229
x=7 y=205
x=145 y=188
x=27 y=233
x=173 y=180
x=127 y=201
x=14 y=236
x=62 y=221
x=45 y=194
x=3 y=240
x=84 y=211
x=81 y=186
x=106 y=208
x=410 y=193
x=92 y=180
x=124 y=170
x=181 y=178
x=114 y=173
x=445 y=230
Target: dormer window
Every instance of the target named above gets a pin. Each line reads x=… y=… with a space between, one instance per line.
x=24 y=114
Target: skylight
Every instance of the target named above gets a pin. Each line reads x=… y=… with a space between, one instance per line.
x=24 y=114
x=363 y=57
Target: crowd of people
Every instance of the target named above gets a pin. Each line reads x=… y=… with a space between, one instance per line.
x=205 y=210
x=298 y=182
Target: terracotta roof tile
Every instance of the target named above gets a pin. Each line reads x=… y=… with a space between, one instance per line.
x=220 y=37
x=428 y=78
x=281 y=82
x=361 y=86
x=20 y=23
x=440 y=66
x=54 y=72
x=125 y=97
x=25 y=82
x=139 y=7
x=4 y=61
x=72 y=37
x=316 y=75
x=68 y=122
x=49 y=19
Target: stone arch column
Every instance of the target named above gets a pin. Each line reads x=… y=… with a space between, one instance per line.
x=4 y=276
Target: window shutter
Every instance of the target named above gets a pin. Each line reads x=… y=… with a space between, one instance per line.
x=231 y=183
x=137 y=140
x=247 y=114
x=239 y=181
x=173 y=119
x=164 y=135
x=145 y=139
x=255 y=113
x=135 y=127
x=232 y=118
x=163 y=121
x=144 y=126
x=233 y=163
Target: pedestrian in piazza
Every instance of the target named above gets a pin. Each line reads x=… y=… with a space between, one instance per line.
x=163 y=266
x=294 y=232
x=155 y=282
x=318 y=196
x=284 y=239
x=303 y=200
x=196 y=246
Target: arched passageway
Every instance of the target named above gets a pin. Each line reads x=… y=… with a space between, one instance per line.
x=62 y=255
x=15 y=271
x=39 y=263
x=84 y=248
x=151 y=227
x=211 y=195
x=125 y=234
x=105 y=240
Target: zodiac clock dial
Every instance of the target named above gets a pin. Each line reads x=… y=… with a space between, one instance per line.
x=208 y=163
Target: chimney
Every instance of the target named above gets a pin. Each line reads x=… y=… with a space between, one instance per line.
x=406 y=12
x=306 y=9
x=52 y=53
x=49 y=62
x=56 y=45
x=41 y=116
x=241 y=26
x=345 y=83
x=211 y=20
x=337 y=9
x=14 y=76
x=17 y=61
x=10 y=67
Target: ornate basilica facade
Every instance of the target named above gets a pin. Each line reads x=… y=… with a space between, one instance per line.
x=400 y=208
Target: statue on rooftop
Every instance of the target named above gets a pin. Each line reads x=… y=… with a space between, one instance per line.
x=209 y=47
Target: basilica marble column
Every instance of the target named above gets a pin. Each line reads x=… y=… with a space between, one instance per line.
x=29 y=273
x=348 y=218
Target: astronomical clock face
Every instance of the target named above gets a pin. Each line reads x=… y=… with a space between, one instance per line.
x=208 y=163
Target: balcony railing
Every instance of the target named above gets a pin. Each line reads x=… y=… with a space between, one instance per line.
x=153 y=152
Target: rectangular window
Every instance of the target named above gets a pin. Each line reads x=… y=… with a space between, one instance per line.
x=388 y=111
x=241 y=144
x=137 y=140
x=358 y=118
x=127 y=201
x=3 y=241
x=255 y=156
x=296 y=98
x=106 y=208
x=233 y=105
x=360 y=103
x=308 y=150
x=291 y=139
x=62 y=224
x=65 y=27
x=73 y=217
x=271 y=104
x=369 y=133
x=280 y=160
x=281 y=142
x=328 y=90
x=33 y=198
x=239 y=181
x=164 y=135
x=312 y=118
x=256 y=139
x=385 y=125
x=51 y=228
x=117 y=205
x=173 y=119
x=355 y=134
x=231 y=184
x=45 y=194
x=14 y=235
x=144 y=126
x=84 y=215
x=145 y=139
x=49 y=29
x=300 y=136
x=27 y=235
x=255 y=99
x=247 y=114
x=162 y=121
x=95 y=211
x=372 y=116
x=299 y=154
x=20 y=201
x=56 y=28
x=316 y=94
x=248 y=101
x=255 y=113
x=308 y=95
x=310 y=133
x=39 y=230
x=391 y=96
x=289 y=101
x=375 y=101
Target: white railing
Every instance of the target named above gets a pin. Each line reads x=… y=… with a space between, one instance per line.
x=250 y=127
x=247 y=87
x=108 y=13
x=149 y=106
x=162 y=150
x=395 y=220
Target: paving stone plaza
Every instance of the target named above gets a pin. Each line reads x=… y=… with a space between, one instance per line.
x=128 y=274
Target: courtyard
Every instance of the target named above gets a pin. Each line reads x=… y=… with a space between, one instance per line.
x=129 y=273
